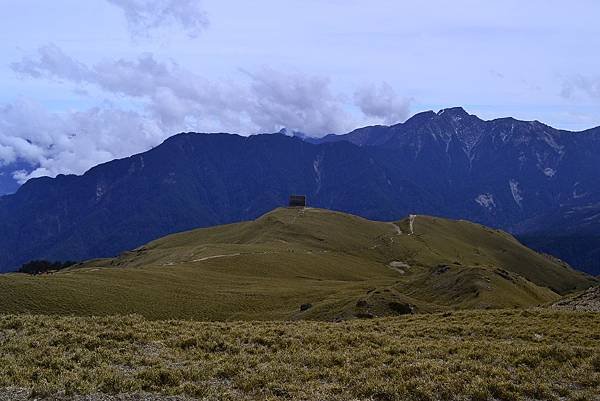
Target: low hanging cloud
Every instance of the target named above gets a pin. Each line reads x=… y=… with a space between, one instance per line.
x=296 y=101
x=168 y=99
x=382 y=103
x=146 y=17
x=72 y=142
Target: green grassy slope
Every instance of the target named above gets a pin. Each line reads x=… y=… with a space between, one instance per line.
x=343 y=265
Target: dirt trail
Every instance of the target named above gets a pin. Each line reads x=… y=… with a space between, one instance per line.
x=411 y=220
x=400 y=267
x=216 y=256
x=397 y=228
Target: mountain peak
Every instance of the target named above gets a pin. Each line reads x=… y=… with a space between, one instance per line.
x=286 y=132
x=453 y=111
x=420 y=118
x=293 y=133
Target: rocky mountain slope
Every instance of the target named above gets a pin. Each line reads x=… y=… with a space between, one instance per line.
x=498 y=172
x=588 y=300
x=303 y=264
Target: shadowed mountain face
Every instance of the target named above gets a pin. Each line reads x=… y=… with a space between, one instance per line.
x=501 y=173
x=571 y=233
x=510 y=170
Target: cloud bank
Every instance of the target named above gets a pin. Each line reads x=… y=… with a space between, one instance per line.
x=168 y=99
x=265 y=101
x=72 y=142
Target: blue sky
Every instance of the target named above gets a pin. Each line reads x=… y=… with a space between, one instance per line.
x=85 y=82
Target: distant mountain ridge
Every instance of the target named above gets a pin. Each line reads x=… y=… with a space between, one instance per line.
x=501 y=173
x=570 y=229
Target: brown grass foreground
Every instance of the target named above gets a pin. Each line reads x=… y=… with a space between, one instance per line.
x=471 y=355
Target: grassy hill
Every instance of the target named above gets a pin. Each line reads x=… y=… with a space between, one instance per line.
x=338 y=265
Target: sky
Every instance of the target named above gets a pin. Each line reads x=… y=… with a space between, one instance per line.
x=84 y=82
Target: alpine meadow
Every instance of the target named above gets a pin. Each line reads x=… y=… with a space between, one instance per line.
x=300 y=200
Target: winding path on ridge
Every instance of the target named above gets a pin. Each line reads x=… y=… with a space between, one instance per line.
x=411 y=221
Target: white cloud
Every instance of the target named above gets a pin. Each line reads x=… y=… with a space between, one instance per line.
x=296 y=101
x=382 y=103
x=7 y=155
x=147 y=17
x=579 y=83
x=71 y=142
x=52 y=62
x=266 y=101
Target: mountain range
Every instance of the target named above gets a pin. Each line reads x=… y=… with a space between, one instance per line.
x=525 y=177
